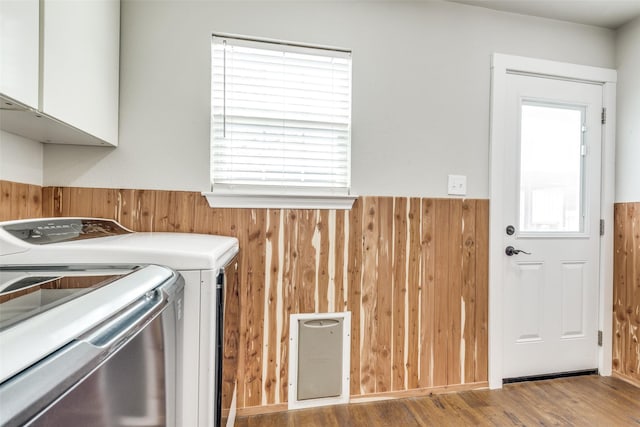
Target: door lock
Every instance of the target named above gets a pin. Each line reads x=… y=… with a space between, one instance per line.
x=511 y=251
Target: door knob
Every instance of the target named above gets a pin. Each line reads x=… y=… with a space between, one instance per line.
x=511 y=251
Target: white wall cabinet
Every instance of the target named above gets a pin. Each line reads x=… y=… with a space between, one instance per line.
x=76 y=76
x=80 y=73
x=19 y=50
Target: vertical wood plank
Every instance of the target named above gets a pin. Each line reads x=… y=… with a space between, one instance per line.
x=126 y=209
x=289 y=306
x=105 y=203
x=340 y=261
x=65 y=202
x=230 y=334
x=455 y=290
x=619 y=286
x=224 y=221
x=237 y=221
x=482 y=291
x=56 y=202
x=203 y=215
x=182 y=214
x=80 y=201
x=441 y=283
x=427 y=304
x=35 y=201
x=233 y=222
x=162 y=209
x=399 y=292
x=632 y=350
x=354 y=289
x=273 y=249
x=48 y=195
x=254 y=248
x=322 y=269
x=369 y=344
x=298 y=251
x=627 y=290
x=384 y=294
x=413 y=289
x=144 y=205
x=19 y=205
x=306 y=278
x=468 y=327
x=6 y=200
x=636 y=293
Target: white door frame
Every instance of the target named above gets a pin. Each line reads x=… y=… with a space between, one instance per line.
x=500 y=66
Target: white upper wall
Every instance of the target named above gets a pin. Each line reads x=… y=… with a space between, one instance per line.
x=420 y=87
x=20 y=159
x=628 y=113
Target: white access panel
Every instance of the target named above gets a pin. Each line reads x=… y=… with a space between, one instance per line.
x=318 y=359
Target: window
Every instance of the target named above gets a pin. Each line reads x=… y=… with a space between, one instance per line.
x=552 y=154
x=281 y=121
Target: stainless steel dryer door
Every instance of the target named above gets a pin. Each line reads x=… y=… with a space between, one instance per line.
x=120 y=373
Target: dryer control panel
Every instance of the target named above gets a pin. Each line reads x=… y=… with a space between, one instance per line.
x=54 y=230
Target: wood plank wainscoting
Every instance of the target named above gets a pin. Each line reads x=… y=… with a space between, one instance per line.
x=413 y=273
x=626 y=292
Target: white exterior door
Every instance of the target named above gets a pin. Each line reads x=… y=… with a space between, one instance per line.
x=551 y=212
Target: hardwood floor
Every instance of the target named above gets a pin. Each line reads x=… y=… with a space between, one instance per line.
x=577 y=401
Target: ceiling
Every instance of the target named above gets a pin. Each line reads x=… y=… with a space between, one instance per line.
x=602 y=13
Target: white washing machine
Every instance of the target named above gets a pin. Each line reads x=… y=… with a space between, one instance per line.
x=200 y=259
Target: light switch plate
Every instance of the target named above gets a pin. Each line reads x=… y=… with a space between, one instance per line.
x=457 y=185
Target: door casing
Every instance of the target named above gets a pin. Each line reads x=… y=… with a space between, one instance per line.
x=500 y=65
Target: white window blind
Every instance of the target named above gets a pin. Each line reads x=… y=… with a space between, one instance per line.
x=281 y=116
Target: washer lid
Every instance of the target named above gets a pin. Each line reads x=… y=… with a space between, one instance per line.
x=44 y=309
x=180 y=251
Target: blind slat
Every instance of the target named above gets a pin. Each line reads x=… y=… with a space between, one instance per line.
x=289 y=125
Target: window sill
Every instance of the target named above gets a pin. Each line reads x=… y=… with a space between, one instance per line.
x=279 y=201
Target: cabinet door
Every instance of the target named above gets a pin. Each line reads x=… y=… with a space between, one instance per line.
x=81 y=64
x=19 y=50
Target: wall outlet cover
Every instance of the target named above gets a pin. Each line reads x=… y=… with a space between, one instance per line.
x=457 y=185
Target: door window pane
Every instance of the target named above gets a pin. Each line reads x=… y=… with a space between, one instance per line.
x=551 y=164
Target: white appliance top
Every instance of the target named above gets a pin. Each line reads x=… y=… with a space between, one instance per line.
x=103 y=241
